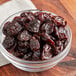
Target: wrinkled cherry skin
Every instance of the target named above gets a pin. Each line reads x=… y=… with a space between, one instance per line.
x=59 y=21
x=28 y=15
x=47 y=26
x=18 y=19
x=35 y=36
x=6 y=26
x=14 y=29
x=24 y=36
x=47 y=52
x=42 y=16
x=34 y=44
x=36 y=55
x=33 y=26
x=8 y=42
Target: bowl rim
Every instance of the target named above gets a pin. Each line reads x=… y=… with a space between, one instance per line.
x=35 y=62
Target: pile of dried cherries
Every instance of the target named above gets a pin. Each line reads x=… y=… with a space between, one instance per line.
x=35 y=36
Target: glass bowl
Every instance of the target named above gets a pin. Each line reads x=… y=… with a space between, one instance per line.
x=33 y=66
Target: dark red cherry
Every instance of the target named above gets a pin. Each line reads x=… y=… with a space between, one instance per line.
x=29 y=15
x=47 y=27
x=17 y=19
x=6 y=26
x=33 y=26
x=42 y=16
x=59 y=21
x=8 y=42
x=34 y=44
x=14 y=29
x=36 y=55
x=24 y=36
x=47 y=52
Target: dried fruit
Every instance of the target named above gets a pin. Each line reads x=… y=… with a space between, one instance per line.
x=33 y=26
x=35 y=36
x=14 y=29
x=36 y=55
x=42 y=16
x=34 y=44
x=47 y=27
x=28 y=15
x=47 y=52
x=17 y=19
x=59 y=21
x=8 y=42
x=24 y=36
x=6 y=26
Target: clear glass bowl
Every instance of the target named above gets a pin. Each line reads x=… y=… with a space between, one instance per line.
x=33 y=66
